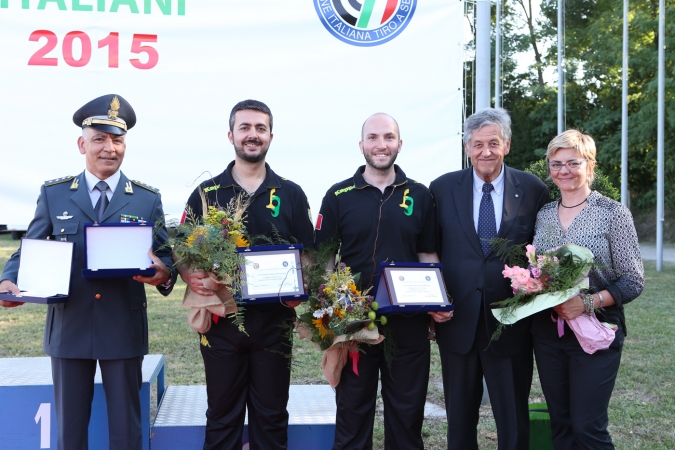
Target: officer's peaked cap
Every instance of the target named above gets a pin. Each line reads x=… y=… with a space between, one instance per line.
x=110 y=113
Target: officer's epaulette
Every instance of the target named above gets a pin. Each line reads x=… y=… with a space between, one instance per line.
x=145 y=186
x=58 y=180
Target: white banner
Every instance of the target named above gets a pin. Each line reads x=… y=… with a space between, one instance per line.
x=322 y=66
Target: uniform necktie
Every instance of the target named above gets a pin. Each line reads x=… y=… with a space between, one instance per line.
x=487 y=228
x=102 y=202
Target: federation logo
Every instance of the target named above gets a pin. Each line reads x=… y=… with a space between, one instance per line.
x=365 y=23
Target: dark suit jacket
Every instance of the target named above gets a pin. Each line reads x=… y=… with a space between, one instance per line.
x=470 y=277
x=114 y=326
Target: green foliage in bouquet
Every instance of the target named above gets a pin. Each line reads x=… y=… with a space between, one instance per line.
x=274 y=239
x=209 y=243
x=336 y=305
x=600 y=184
x=539 y=273
x=317 y=263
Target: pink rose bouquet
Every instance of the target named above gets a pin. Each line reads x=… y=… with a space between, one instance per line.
x=548 y=279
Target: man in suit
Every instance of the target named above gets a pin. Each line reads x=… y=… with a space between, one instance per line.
x=473 y=206
x=103 y=320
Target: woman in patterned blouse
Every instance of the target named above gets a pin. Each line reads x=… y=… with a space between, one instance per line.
x=578 y=385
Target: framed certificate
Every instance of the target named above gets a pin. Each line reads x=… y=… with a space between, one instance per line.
x=272 y=273
x=118 y=250
x=44 y=271
x=411 y=288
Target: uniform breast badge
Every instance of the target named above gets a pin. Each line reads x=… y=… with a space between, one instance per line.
x=64 y=216
x=126 y=218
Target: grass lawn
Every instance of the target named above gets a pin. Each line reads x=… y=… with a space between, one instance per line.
x=641 y=410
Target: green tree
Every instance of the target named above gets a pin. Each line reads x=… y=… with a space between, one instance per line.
x=594 y=36
x=593 y=49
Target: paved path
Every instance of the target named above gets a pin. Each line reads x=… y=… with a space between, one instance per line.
x=649 y=253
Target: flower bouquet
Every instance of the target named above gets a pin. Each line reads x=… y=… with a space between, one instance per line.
x=209 y=244
x=337 y=317
x=549 y=279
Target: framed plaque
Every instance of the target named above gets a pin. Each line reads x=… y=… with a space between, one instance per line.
x=411 y=288
x=118 y=250
x=272 y=273
x=44 y=271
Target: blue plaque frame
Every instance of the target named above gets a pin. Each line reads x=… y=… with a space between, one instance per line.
x=299 y=295
x=122 y=272
x=59 y=298
x=386 y=297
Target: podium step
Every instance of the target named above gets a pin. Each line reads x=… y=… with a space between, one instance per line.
x=181 y=419
x=27 y=403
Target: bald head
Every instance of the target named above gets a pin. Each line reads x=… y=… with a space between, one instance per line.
x=380 y=142
x=380 y=117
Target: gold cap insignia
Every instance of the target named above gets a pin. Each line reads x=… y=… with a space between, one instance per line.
x=114 y=108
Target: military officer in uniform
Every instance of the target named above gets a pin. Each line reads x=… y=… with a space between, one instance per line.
x=103 y=320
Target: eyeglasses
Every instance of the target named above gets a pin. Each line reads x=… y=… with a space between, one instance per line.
x=571 y=165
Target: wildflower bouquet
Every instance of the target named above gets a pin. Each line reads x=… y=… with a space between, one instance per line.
x=209 y=244
x=339 y=308
x=549 y=279
x=336 y=318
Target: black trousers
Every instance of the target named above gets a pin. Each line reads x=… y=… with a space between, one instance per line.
x=577 y=387
x=508 y=381
x=74 y=392
x=251 y=371
x=404 y=390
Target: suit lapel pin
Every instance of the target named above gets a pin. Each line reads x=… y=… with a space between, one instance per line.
x=128 y=189
x=65 y=216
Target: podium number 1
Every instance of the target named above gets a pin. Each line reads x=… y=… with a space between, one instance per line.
x=44 y=414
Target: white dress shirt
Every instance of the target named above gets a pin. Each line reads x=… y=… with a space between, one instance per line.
x=94 y=193
x=497 y=197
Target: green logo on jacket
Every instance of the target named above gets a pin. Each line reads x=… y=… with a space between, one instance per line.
x=405 y=205
x=272 y=205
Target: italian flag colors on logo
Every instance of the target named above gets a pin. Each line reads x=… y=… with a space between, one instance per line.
x=365 y=22
x=365 y=14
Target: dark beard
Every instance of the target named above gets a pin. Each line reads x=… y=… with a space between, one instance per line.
x=241 y=153
x=369 y=162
